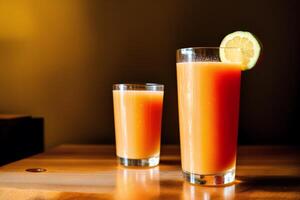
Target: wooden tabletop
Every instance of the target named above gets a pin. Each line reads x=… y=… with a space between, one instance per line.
x=92 y=172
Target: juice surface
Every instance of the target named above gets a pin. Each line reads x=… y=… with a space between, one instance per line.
x=138 y=116
x=208 y=99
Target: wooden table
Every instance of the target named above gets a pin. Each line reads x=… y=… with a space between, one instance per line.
x=92 y=172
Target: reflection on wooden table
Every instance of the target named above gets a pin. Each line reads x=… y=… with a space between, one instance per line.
x=195 y=192
x=92 y=172
x=134 y=184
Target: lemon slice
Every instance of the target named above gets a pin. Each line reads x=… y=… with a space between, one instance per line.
x=248 y=52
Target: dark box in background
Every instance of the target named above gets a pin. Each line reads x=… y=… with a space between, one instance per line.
x=20 y=136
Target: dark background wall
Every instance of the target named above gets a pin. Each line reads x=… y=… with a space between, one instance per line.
x=59 y=59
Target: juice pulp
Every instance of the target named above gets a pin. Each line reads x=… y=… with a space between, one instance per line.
x=208 y=99
x=138 y=116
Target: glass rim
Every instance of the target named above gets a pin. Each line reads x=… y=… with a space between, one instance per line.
x=210 y=48
x=139 y=86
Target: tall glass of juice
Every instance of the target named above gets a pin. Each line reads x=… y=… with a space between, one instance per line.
x=137 y=115
x=208 y=99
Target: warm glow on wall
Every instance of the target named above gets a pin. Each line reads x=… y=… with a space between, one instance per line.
x=16 y=20
x=44 y=54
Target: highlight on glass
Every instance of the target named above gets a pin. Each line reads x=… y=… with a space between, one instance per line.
x=137 y=115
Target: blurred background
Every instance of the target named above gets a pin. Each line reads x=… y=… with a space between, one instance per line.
x=59 y=59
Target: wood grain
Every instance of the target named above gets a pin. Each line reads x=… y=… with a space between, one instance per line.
x=92 y=172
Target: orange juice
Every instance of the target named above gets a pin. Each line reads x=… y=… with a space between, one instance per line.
x=138 y=116
x=208 y=97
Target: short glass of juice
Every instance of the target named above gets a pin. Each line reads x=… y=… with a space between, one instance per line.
x=137 y=116
x=208 y=100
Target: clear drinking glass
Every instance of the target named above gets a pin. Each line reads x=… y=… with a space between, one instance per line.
x=138 y=113
x=208 y=98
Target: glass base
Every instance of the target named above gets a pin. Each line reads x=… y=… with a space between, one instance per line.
x=147 y=162
x=211 y=179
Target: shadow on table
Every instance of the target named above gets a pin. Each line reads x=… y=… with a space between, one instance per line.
x=284 y=183
x=170 y=162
